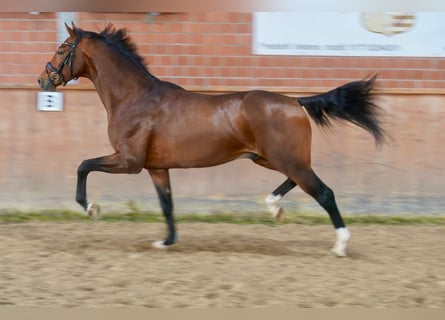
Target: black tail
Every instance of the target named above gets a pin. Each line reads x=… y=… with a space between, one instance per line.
x=352 y=102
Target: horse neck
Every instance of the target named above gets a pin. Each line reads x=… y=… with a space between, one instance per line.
x=117 y=79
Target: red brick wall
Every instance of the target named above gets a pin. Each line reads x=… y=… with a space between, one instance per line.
x=40 y=153
x=208 y=51
x=26 y=42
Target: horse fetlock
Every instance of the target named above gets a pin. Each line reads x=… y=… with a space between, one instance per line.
x=343 y=237
x=160 y=244
x=273 y=206
x=82 y=203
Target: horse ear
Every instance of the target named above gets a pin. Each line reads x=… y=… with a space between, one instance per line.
x=71 y=32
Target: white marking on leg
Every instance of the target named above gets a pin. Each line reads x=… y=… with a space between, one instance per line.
x=159 y=245
x=94 y=211
x=343 y=236
x=273 y=206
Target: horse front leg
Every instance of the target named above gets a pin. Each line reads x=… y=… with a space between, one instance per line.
x=161 y=181
x=114 y=163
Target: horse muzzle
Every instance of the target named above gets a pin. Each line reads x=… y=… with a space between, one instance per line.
x=46 y=83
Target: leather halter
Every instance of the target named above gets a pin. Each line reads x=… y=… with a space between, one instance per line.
x=55 y=74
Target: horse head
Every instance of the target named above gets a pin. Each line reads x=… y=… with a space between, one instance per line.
x=66 y=64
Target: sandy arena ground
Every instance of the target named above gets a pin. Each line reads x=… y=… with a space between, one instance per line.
x=102 y=264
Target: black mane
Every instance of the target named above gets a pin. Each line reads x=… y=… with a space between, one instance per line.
x=120 y=40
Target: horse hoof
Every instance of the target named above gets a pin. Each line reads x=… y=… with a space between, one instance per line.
x=160 y=244
x=279 y=216
x=339 y=252
x=339 y=248
x=93 y=211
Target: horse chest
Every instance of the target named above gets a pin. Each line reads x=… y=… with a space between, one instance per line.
x=133 y=133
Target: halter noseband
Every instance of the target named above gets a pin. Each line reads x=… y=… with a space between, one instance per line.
x=55 y=74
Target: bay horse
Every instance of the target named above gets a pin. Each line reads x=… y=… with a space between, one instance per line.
x=157 y=125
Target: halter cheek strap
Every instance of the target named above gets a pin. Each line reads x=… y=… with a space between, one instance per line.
x=55 y=74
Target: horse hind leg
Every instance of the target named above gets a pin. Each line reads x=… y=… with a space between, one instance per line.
x=272 y=200
x=312 y=185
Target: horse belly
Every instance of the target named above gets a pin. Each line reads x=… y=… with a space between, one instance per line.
x=203 y=132
x=193 y=152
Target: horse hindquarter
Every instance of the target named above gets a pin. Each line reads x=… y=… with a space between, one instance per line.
x=280 y=129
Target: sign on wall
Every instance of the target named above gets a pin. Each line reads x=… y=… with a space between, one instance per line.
x=419 y=34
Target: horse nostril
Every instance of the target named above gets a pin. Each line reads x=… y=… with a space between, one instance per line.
x=39 y=81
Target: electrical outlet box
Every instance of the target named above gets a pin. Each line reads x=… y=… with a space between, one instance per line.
x=49 y=101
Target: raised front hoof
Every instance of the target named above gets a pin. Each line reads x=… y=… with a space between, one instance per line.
x=93 y=211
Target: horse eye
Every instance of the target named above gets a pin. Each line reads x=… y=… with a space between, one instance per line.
x=59 y=52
